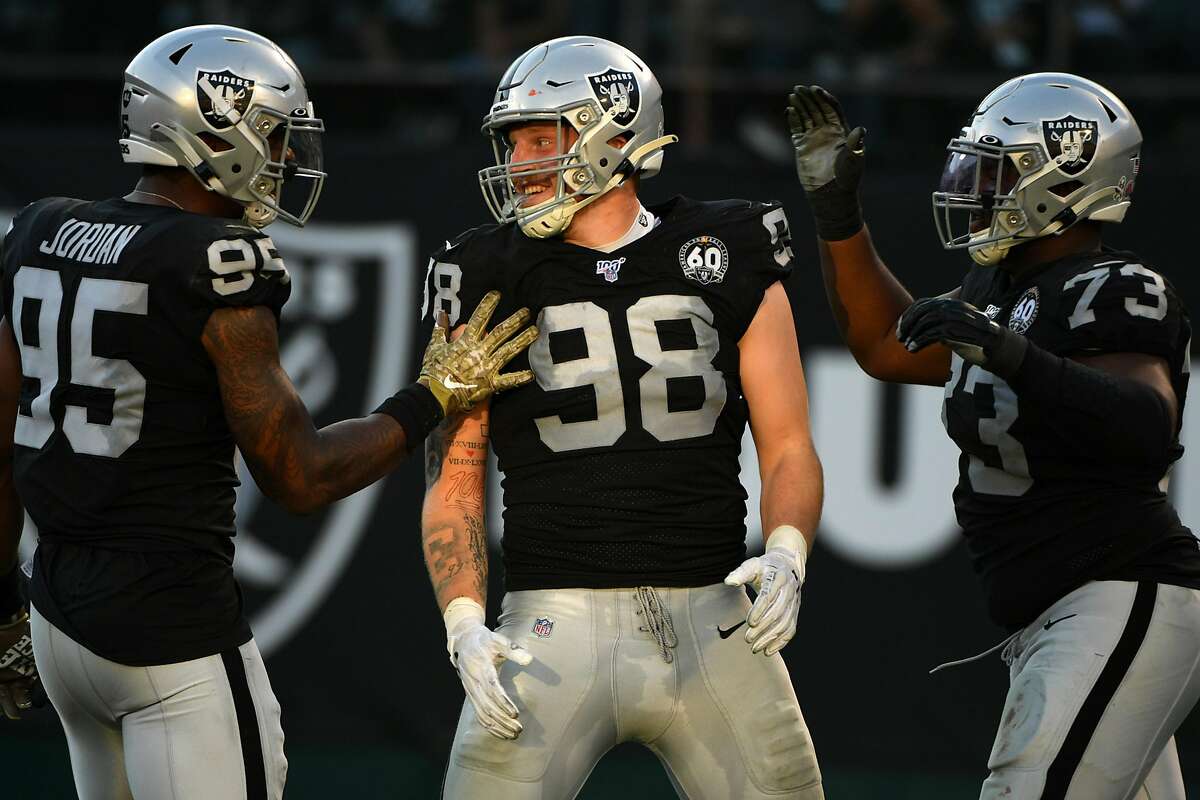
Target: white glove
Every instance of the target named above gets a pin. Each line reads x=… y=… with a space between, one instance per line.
x=777 y=576
x=476 y=652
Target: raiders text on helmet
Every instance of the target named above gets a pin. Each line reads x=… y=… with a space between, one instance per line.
x=207 y=98
x=602 y=91
x=1041 y=152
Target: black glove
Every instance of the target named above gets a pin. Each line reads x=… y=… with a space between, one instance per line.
x=964 y=329
x=829 y=161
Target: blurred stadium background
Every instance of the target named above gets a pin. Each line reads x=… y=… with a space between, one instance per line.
x=340 y=600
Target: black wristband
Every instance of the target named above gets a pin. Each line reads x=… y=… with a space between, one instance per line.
x=836 y=212
x=1006 y=357
x=12 y=594
x=417 y=411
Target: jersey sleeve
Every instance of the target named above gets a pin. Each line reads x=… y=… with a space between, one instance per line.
x=1123 y=307
x=760 y=253
x=455 y=281
x=240 y=267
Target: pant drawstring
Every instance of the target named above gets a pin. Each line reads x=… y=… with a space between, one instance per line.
x=1008 y=653
x=658 y=621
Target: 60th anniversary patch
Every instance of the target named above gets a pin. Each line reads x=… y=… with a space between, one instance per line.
x=704 y=259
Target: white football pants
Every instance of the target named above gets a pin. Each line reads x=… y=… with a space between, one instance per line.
x=1098 y=685
x=724 y=722
x=206 y=729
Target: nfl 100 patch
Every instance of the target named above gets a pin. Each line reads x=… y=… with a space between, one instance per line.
x=704 y=259
x=1071 y=142
x=543 y=627
x=223 y=97
x=1024 y=312
x=610 y=268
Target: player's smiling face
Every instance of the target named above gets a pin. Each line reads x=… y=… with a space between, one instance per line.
x=535 y=146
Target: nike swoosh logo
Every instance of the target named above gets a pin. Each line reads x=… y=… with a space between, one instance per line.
x=450 y=383
x=1053 y=622
x=725 y=634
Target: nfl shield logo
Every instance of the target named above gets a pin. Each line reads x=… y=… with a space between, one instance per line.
x=542 y=627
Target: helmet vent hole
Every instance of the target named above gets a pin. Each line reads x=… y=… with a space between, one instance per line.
x=1112 y=116
x=214 y=143
x=1064 y=189
x=604 y=162
x=1041 y=208
x=237 y=168
x=177 y=56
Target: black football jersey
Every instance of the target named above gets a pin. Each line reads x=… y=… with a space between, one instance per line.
x=1041 y=517
x=620 y=461
x=122 y=446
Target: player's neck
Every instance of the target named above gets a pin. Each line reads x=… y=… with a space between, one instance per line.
x=605 y=220
x=177 y=187
x=1077 y=240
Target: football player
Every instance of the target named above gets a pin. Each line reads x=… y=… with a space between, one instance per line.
x=663 y=330
x=1065 y=365
x=139 y=347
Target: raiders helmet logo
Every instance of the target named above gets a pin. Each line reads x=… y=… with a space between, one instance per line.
x=1071 y=142
x=617 y=89
x=223 y=97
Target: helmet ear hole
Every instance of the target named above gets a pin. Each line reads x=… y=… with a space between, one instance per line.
x=1064 y=189
x=213 y=142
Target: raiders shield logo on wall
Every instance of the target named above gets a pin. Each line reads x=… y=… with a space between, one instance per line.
x=223 y=97
x=617 y=89
x=1071 y=142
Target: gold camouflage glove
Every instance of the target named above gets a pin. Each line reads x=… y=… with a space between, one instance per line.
x=18 y=673
x=462 y=372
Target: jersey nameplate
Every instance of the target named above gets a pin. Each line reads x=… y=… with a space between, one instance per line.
x=90 y=242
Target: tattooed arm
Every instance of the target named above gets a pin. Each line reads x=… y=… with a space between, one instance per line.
x=452 y=518
x=293 y=463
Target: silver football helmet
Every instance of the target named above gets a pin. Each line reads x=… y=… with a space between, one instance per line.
x=210 y=98
x=599 y=89
x=1040 y=153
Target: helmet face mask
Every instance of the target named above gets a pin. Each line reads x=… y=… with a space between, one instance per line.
x=979 y=201
x=246 y=132
x=601 y=92
x=568 y=173
x=289 y=184
x=1040 y=153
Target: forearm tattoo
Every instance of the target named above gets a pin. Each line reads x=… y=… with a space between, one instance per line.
x=453 y=531
x=288 y=457
x=450 y=549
